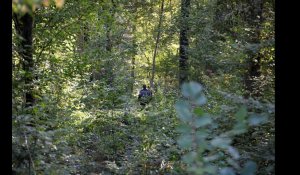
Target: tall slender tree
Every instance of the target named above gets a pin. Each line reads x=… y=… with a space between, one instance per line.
x=134 y=44
x=24 y=27
x=183 y=41
x=255 y=20
x=159 y=28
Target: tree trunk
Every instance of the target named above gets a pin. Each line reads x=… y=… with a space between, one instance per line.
x=109 y=43
x=24 y=26
x=108 y=46
x=184 y=42
x=133 y=53
x=133 y=61
x=134 y=45
x=254 y=57
x=156 y=44
x=108 y=23
x=82 y=38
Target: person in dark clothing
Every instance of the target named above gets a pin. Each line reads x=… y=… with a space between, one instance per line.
x=145 y=96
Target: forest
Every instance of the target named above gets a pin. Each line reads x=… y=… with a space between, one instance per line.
x=79 y=67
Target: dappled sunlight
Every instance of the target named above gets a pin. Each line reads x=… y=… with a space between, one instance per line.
x=143 y=87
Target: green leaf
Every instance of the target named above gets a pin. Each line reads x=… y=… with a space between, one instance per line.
x=239 y=128
x=227 y=171
x=189 y=157
x=195 y=88
x=198 y=111
x=182 y=109
x=211 y=158
x=210 y=169
x=196 y=170
x=249 y=169
x=185 y=90
x=185 y=141
x=221 y=142
x=233 y=152
x=191 y=89
x=184 y=129
x=201 y=134
x=255 y=120
x=241 y=114
x=201 y=100
x=202 y=121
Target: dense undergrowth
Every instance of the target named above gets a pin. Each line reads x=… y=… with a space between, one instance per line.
x=78 y=66
x=126 y=139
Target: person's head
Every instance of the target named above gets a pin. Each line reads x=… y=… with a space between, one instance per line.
x=144 y=86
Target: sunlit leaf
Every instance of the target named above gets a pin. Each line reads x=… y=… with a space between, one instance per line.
x=198 y=111
x=59 y=3
x=46 y=3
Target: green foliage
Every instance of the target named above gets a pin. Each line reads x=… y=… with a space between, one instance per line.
x=204 y=149
x=80 y=125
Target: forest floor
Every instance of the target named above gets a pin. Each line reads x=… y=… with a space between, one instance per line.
x=135 y=142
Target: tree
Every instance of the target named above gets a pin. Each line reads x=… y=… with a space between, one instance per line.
x=134 y=11
x=255 y=20
x=156 y=43
x=98 y=126
x=24 y=26
x=183 y=41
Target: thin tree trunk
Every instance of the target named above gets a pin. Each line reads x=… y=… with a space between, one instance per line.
x=108 y=46
x=82 y=38
x=156 y=43
x=183 y=42
x=109 y=43
x=132 y=73
x=254 y=58
x=24 y=26
x=134 y=49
